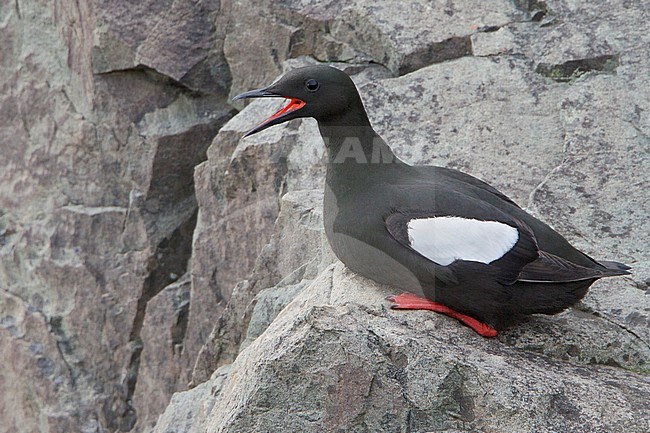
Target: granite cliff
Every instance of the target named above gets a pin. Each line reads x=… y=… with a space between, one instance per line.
x=160 y=274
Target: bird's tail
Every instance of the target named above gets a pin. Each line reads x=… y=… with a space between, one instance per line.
x=615 y=268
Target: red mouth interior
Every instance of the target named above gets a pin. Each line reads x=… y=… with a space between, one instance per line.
x=293 y=105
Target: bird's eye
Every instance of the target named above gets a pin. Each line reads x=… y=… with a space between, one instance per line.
x=312 y=85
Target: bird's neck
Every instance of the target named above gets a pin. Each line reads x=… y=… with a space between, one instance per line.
x=350 y=140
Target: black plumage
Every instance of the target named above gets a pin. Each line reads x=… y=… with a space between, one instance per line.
x=372 y=199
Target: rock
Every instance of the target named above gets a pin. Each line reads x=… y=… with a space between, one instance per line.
x=106 y=110
x=461 y=109
x=179 y=39
x=399 y=35
x=237 y=189
x=163 y=334
x=560 y=32
x=97 y=203
x=342 y=361
x=599 y=182
x=268 y=304
x=493 y=43
x=189 y=409
x=501 y=105
x=465 y=113
x=29 y=349
x=283 y=267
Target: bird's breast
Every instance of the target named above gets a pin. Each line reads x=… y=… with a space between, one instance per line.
x=356 y=232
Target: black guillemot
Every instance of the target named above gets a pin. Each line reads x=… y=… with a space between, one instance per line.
x=455 y=244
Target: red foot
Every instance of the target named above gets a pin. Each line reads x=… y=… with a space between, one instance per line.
x=409 y=301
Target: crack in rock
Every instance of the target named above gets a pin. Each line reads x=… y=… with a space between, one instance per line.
x=449 y=49
x=573 y=69
x=533 y=193
x=151 y=72
x=626 y=329
x=169 y=261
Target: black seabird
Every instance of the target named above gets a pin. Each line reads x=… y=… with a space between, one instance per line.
x=436 y=233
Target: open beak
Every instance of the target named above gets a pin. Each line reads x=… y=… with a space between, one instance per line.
x=282 y=115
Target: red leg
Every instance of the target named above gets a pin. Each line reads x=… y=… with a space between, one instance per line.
x=409 y=301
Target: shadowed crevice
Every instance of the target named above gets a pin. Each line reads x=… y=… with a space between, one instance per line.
x=573 y=69
x=168 y=262
x=179 y=330
x=449 y=49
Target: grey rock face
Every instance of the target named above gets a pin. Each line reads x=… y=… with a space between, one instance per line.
x=97 y=209
x=140 y=253
x=163 y=333
x=502 y=102
x=180 y=39
x=336 y=359
x=282 y=269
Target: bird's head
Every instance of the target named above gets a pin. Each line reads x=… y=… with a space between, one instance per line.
x=321 y=92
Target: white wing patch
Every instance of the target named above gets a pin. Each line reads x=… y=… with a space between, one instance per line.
x=445 y=239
